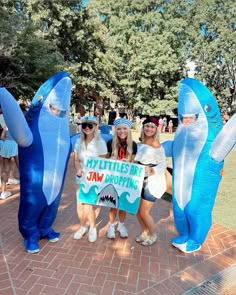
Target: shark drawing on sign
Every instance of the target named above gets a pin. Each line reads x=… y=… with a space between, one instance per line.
x=108 y=197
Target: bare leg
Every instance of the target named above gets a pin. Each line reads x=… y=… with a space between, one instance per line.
x=147 y=222
x=122 y=215
x=112 y=215
x=168 y=182
x=12 y=168
x=80 y=210
x=4 y=173
x=141 y=222
x=90 y=213
x=111 y=228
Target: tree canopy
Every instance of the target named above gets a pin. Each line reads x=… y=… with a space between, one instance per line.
x=133 y=52
x=214 y=50
x=26 y=58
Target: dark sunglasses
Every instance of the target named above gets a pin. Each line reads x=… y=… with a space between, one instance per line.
x=85 y=125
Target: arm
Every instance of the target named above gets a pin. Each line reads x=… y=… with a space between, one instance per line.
x=77 y=165
x=160 y=161
x=104 y=156
x=132 y=158
x=3 y=134
x=109 y=145
x=135 y=149
x=224 y=141
x=78 y=169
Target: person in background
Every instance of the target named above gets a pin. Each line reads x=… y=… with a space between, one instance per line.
x=123 y=148
x=89 y=144
x=160 y=125
x=77 y=120
x=72 y=117
x=9 y=159
x=164 y=124
x=170 y=126
x=152 y=155
x=138 y=124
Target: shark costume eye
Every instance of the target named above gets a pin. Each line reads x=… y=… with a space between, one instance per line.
x=207 y=108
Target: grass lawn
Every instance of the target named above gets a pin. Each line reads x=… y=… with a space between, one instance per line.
x=224 y=211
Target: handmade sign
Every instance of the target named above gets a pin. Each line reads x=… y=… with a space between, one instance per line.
x=110 y=183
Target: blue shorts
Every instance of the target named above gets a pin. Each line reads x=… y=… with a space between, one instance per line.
x=77 y=180
x=146 y=195
x=9 y=148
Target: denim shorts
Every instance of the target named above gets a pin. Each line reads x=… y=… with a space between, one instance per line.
x=77 y=180
x=146 y=195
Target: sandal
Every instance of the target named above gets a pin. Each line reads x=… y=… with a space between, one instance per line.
x=149 y=241
x=142 y=237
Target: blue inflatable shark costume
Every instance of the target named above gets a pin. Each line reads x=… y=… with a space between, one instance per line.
x=44 y=147
x=198 y=151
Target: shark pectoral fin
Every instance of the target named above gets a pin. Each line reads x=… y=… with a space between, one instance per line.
x=224 y=141
x=15 y=119
x=168 y=147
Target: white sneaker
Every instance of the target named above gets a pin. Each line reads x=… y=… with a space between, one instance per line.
x=5 y=195
x=13 y=181
x=150 y=240
x=92 y=235
x=111 y=231
x=122 y=230
x=142 y=237
x=80 y=232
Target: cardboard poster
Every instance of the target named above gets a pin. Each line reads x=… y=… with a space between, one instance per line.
x=111 y=183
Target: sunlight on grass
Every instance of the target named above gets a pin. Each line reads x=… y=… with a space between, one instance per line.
x=224 y=210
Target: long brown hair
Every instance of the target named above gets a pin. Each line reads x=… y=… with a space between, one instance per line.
x=155 y=136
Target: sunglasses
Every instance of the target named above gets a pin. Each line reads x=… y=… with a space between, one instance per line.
x=85 y=125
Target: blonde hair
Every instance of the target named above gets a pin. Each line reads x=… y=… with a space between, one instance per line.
x=116 y=144
x=96 y=135
x=155 y=136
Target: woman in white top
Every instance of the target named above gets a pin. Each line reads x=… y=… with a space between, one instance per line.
x=152 y=155
x=89 y=144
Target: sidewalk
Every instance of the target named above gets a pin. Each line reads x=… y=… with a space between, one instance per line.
x=119 y=267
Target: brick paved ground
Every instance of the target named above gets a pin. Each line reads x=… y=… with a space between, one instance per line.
x=118 y=267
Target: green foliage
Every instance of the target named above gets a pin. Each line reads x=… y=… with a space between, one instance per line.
x=214 y=50
x=132 y=52
x=79 y=36
x=148 y=59
x=27 y=59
